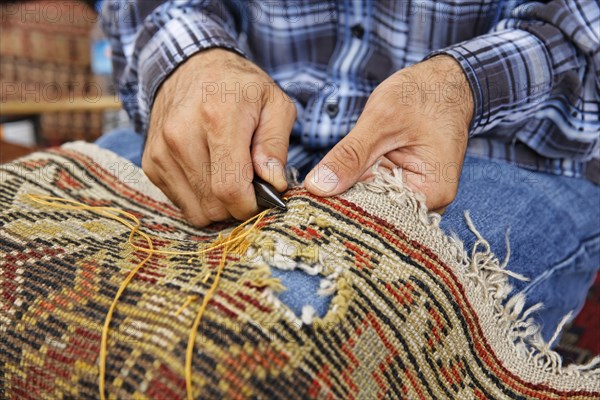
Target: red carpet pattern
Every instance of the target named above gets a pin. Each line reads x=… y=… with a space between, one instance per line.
x=412 y=316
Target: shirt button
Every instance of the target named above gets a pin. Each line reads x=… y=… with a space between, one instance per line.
x=332 y=109
x=358 y=31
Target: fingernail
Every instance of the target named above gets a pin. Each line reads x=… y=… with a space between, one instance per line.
x=324 y=179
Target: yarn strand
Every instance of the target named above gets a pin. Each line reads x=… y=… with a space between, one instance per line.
x=233 y=243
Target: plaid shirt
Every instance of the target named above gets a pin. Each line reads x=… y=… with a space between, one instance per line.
x=534 y=68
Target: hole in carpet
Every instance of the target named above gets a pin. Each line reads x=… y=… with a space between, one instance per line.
x=302 y=294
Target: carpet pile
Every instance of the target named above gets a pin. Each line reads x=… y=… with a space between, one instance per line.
x=413 y=314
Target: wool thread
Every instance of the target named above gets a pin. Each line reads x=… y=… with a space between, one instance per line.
x=188 y=301
x=234 y=243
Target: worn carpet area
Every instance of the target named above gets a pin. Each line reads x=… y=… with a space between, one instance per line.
x=413 y=314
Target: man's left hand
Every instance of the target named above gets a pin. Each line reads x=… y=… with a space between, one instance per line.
x=417 y=120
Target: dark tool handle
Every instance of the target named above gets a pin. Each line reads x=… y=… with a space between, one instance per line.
x=266 y=195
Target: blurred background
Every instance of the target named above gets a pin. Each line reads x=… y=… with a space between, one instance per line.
x=55 y=75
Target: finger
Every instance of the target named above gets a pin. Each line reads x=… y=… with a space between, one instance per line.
x=271 y=141
x=229 y=150
x=343 y=166
x=193 y=161
x=439 y=186
x=437 y=196
x=166 y=173
x=414 y=183
x=384 y=163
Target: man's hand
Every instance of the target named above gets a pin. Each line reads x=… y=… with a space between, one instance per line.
x=418 y=120
x=216 y=120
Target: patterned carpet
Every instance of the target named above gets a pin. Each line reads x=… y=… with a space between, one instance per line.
x=87 y=310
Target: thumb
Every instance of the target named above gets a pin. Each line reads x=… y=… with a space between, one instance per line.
x=343 y=166
x=270 y=144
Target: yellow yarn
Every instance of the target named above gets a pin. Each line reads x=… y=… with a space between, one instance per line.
x=234 y=243
x=188 y=301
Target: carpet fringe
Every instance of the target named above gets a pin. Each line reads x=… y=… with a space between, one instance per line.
x=483 y=269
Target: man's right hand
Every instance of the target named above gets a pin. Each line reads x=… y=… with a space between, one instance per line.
x=216 y=120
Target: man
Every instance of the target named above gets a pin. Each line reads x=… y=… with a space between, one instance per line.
x=225 y=90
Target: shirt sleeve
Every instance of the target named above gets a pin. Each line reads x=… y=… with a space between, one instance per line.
x=541 y=64
x=151 y=38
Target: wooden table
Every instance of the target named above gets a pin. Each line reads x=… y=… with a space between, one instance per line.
x=10 y=110
x=10 y=152
x=14 y=108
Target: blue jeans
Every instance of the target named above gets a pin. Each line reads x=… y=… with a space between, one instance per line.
x=554 y=226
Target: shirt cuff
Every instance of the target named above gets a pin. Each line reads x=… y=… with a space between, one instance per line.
x=510 y=74
x=164 y=49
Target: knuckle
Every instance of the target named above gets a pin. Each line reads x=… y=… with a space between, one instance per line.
x=221 y=153
x=170 y=133
x=351 y=153
x=291 y=110
x=196 y=219
x=153 y=161
x=177 y=201
x=401 y=93
x=157 y=181
x=243 y=215
x=227 y=191
x=274 y=143
x=193 y=216
x=384 y=92
x=200 y=186
x=149 y=166
x=153 y=157
x=215 y=211
x=212 y=113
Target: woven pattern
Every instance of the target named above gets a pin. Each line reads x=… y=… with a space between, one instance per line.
x=407 y=318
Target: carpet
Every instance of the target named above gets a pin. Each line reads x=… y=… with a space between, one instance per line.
x=412 y=315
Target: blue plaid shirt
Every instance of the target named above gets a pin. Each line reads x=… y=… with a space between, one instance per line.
x=534 y=68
